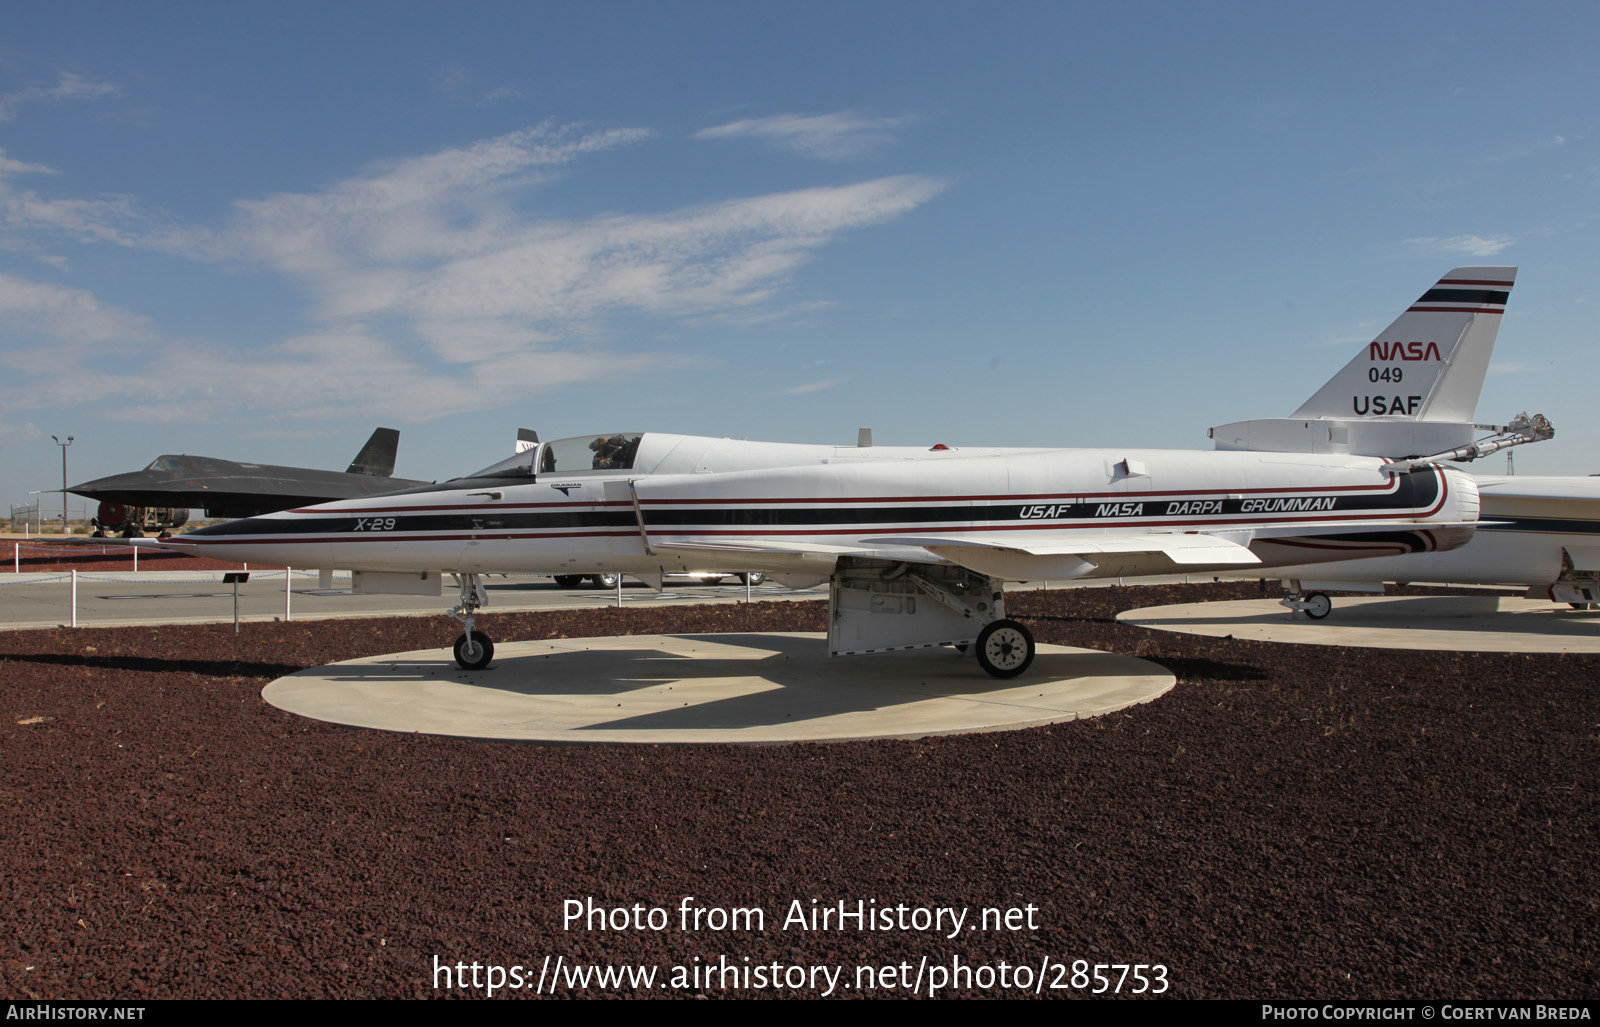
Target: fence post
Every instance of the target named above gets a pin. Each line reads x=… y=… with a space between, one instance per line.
x=234 y=578
x=287 y=572
x=74 y=597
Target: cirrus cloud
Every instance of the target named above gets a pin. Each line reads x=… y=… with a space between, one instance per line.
x=1465 y=245
x=433 y=284
x=68 y=87
x=840 y=136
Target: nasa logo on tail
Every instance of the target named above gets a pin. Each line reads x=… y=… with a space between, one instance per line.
x=1403 y=351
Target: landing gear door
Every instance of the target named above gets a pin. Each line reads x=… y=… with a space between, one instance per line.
x=623 y=504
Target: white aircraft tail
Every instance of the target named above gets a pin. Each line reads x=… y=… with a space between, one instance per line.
x=1413 y=390
x=1430 y=363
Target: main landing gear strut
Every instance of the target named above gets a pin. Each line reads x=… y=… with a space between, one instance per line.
x=877 y=606
x=1315 y=605
x=473 y=648
x=1004 y=647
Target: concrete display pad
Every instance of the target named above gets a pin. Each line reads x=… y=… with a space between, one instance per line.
x=678 y=689
x=1482 y=624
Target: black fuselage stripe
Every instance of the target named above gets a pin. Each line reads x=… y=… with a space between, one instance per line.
x=1553 y=525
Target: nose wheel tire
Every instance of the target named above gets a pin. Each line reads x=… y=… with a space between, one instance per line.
x=474 y=650
x=1005 y=648
x=1318 y=605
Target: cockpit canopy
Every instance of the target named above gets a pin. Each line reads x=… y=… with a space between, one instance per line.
x=614 y=452
x=518 y=466
x=181 y=464
x=611 y=452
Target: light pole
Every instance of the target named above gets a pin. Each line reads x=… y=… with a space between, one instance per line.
x=63 y=446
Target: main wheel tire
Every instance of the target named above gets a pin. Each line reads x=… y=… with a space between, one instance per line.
x=476 y=653
x=568 y=580
x=752 y=577
x=1005 y=648
x=605 y=580
x=1318 y=605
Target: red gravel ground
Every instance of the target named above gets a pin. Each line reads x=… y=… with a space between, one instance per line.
x=1290 y=821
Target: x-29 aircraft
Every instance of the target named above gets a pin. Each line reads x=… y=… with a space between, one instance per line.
x=915 y=543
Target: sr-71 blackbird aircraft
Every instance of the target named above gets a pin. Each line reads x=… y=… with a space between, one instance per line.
x=172 y=484
x=915 y=543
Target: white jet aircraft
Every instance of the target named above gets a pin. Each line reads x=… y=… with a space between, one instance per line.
x=916 y=543
x=1413 y=390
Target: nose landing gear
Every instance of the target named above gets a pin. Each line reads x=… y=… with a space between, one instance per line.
x=473 y=649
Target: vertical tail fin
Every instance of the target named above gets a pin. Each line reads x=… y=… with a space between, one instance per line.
x=377 y=456
x=1430 y=363
x=1411 y=391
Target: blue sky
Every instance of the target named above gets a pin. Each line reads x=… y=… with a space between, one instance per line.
x=259 y=230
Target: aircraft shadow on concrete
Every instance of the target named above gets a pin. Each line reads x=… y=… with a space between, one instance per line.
x=796 y=683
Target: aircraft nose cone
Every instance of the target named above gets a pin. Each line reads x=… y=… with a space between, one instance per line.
x=110 y=483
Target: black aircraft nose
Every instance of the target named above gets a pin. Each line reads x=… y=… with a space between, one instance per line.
x=114 y=483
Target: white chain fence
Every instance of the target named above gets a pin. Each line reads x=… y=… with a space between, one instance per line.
x=288 y=574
